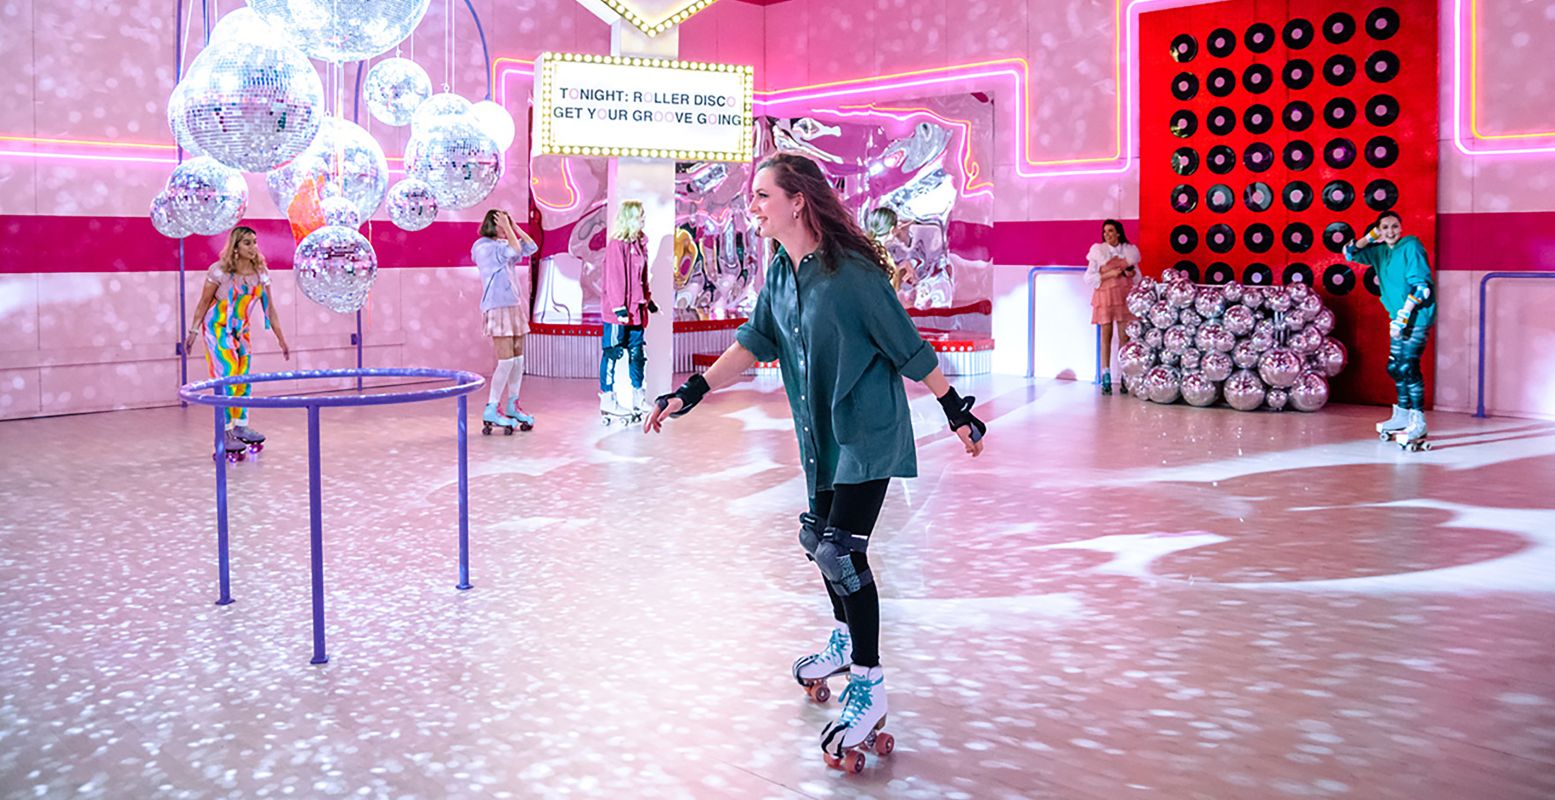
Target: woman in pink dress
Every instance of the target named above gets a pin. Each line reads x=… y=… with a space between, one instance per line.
x=1112 y=266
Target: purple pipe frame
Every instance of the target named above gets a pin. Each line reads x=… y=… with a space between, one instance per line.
x=1031 y=320
x=464 y=384
x=1479 y=393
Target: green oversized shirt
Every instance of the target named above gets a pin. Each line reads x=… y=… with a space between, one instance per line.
x=1399 y=267
x=843 y=343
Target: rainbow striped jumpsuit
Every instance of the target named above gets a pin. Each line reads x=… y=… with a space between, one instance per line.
x=226 y=329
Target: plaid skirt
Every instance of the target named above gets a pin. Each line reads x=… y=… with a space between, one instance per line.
x=506 y=321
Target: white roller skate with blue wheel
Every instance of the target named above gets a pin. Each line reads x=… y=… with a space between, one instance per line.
x=835 y=658
x=861 y=726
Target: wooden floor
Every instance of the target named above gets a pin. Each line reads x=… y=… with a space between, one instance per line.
x=1119 y=600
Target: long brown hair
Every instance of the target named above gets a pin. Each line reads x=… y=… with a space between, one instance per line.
x=824 y=215
x=229 y=251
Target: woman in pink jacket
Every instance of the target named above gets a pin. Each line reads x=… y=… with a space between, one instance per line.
x=624 y=305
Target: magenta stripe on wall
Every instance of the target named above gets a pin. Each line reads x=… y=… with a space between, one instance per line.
x=1518 y=241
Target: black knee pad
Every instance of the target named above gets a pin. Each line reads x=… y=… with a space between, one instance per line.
x=613 y=352
x=1398 y=369
x=834 y=555
x=809 y=534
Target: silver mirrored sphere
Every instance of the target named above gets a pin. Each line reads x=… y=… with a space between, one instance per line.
x=1243 y=390
x=1134 y=358
x=438 y=106
x=1180 y=294
x=206 y=196
x=344 y=30
x=1199 y=390
x=343 y=159
x=1163 y=383
x=340 y=211
x=335 y=267
x=252 y=102
x=1216 y=366
x=412 y=206
x=1238 y=320
x=1279 y=367
x=394 y=88
x=1333 y=356
x=1276 y=399
x=165 y=220
x=456 y=158
x=1310 y=392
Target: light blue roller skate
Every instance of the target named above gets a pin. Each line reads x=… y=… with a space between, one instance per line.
x=491 y=419
x=525 y=420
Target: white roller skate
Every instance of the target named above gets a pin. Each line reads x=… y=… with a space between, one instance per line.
x=1413 y=435
x=611 y=411
x=812 y=671
x=861 y=725
x=1397 y=422
x=490 y=418
x=250 y=437
x=525 y=420
x=639 y=400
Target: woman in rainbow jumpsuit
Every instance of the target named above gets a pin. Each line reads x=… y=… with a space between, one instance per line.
x=234 y=286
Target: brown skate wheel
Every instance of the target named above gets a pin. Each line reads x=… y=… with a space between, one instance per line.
x=507 y=431
x=524 y=426
x=884 y=744
x=853 y=762
x=832 y=761
x=820 y=692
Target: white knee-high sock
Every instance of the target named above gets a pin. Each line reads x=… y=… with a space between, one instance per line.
x=518 y=377
x=499 y=380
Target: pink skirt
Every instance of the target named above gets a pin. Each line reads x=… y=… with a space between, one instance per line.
x=506 y=321
x=1109 y=303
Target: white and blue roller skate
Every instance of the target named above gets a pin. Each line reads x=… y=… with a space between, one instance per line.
x=812 y=671
x=491 y=419
x=861 y=725
x=525 y=420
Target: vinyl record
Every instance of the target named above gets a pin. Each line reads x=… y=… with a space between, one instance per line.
x=1257 y=78
x=1220 y=198
x=1190 y=269
x=1297 y=237
x=1220 y=121
x=1339 y=69
x=1337 y=235
x=1221 y=82
x=1297 y=34
x=1297 y=196
x=1382 y=110
x=1220 y=238
x=1257 y=274
x=1380 y=195
x=1369 y=280
x=1298 y=115
x=1185 y=161
x=1185 y=86
x=1259 y=37
x=1338 y=195
x=1297 y=156
x=1221 y=159
x=1184 y=48
x=1258 y=196
x=1184 y=123
x=1339 y=153
x=1339 y=27
x=1184 y=239
x=1258 y=118
x=1339 y=112
x=1258 y=238
x=1258 y=157
x=1382 y=23
x=1297 y=272
x=1185 y=198
x=1218 y=273
x=1338 y=279
x=1220 y=43
x=1297 y=73
x=1381 y=151
x=1382 y=66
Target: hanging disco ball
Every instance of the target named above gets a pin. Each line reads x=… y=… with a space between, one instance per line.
x=206 y=196
x=496 y=122
x=240 y=20
x=456 y=158
x=335 y=267
x=446 y=104
x=177 y=104
x=394 y=89
x=412 y=206
x=165 y=219
x=340 y=211
x=338 y=31
x=253 y=102
x=343 y=155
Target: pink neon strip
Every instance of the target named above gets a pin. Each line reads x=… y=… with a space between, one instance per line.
x=1457 y=99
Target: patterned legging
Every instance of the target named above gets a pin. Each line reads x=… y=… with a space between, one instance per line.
x=1404 y=366
x=226 y=353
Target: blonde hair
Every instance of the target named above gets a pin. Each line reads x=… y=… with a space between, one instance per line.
x=880 y=223
x=629 y=221
x=229 y=251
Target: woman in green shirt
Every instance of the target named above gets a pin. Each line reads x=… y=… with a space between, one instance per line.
x=1409 y=296
x=843 y=343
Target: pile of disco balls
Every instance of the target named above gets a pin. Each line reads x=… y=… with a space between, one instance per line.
x=1253 y=346
x=253 y=102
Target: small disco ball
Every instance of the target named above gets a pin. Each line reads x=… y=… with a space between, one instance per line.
x=394 y=89
x=1324 y=320
x=1238 y=320
x=177 y=104
x=1298 y=292
x=1134 y=329
x=237 y=21
x=456 y=158
x=344 y=30
x=1233 y=293
x=206 y=196
x=1310 y=305
x=1139 y=302
x=1162 y=315
x=1307 y=340
x=1264 y=327
x=1277 y=299
x=1279 y=368
x=165 y=219
x=1171 y=358
x=1310 y=392
x=1134 y=358
x=1333 y=356
x=1190 y=317
x=1209 y=336
x=344 y=156
x=1216 y=366
x=446 y=104
x=253 y=102
x=1152 y=339
x=1244 y=355
x=1191 y=358
x=1176 y=339
x=1293 y=320
x=412 y=206
x=335 y=267
x=496 y=122
x=1209 y=302
x=340 y=211
x=1148 y=286
x=1199 y=390
x=1276 y=399
x=1163 y=383
x=1179 y=294
x=1243 y=390
x=1252 y=296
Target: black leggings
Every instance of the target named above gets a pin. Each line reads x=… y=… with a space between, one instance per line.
x=1404 y=367
x=854 y=507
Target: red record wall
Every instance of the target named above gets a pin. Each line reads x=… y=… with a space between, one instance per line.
x=1272 y=133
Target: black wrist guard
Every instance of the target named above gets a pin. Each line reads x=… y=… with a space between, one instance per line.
x=958 y=412
x=690 y=393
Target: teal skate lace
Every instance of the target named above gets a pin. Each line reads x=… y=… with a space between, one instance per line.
x=835 y=646
x=856 y=699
